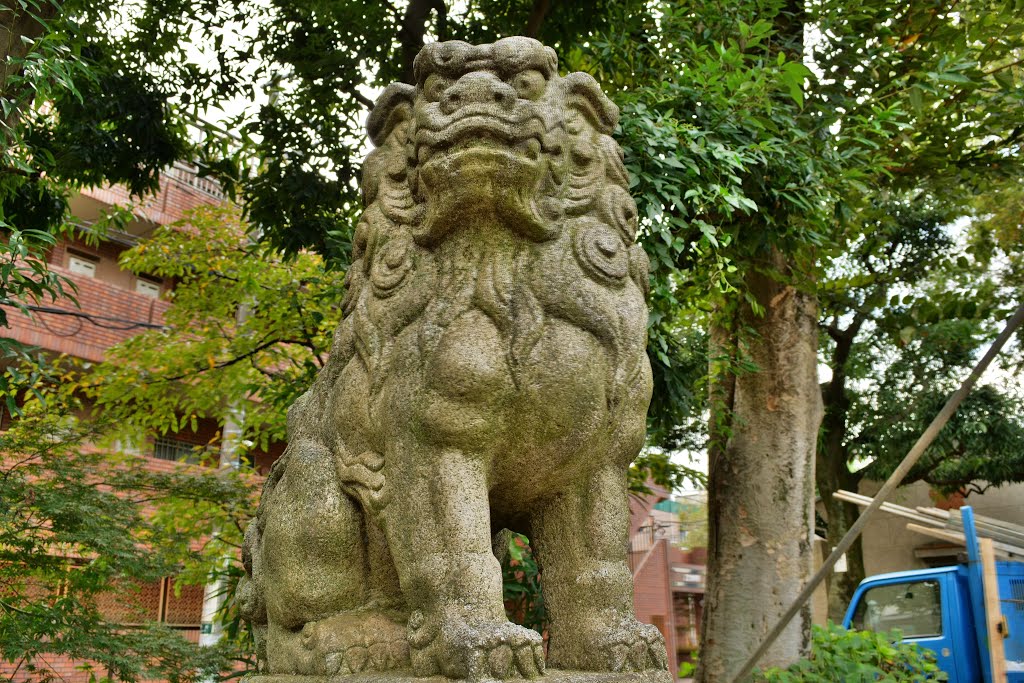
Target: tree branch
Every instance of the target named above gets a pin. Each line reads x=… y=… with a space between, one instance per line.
x=414 y=27
x=359 y=97
x=1004 y=66
x=11 y=608
x=232 y=361
x=537 y=15
x=833 y=331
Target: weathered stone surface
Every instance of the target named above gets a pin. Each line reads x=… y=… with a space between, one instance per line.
x=490 y=373
x=552 y=676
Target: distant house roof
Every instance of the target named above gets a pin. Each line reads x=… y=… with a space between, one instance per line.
x=670 y=506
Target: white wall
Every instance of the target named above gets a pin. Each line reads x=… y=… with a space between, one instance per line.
x=889 y=546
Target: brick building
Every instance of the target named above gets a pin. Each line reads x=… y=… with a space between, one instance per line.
x=668 y=576
x=114 y=305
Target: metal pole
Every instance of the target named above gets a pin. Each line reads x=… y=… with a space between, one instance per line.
x=210 y=629
x=214 y=593
x=894 y=480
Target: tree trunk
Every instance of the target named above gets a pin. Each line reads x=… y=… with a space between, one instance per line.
x=761 y=480
x=414 y=27
x=833 y=472
x=537 y=14
x=841 y=517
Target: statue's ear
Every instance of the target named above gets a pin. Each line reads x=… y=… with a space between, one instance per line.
x=392 y=107
x=583 y=93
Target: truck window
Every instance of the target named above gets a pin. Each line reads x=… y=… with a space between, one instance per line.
x=914 y=608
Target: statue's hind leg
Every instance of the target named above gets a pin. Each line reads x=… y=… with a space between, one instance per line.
x=580 y=537
x=315 y=574
x=438 y=527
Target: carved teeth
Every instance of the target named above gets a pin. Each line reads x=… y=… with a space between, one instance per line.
x=530 y=147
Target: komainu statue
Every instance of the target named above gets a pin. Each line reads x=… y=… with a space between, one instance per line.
x=490 y=373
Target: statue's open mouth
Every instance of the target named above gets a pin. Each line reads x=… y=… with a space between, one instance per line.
x=524 y=140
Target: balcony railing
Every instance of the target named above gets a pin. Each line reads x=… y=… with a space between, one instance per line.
x=643 y=543
x=187 y=174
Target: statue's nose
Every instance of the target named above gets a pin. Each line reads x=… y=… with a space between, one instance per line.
x=478 y=87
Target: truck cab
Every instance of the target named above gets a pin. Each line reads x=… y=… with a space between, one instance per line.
x=944 y=610
x=931 y=608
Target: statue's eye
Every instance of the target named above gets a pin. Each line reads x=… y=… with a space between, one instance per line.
x=530 y=84
x=435 y=86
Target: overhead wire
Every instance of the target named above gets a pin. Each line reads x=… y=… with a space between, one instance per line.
x=103 y=321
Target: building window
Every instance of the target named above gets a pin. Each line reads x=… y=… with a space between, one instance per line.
x=147 y=287
x=80 y=264
x=134 y=603
x=177 y=450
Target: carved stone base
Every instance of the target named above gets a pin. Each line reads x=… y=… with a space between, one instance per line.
x=552 y=676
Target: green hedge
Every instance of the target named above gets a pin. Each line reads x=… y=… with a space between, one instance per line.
x=838 y=654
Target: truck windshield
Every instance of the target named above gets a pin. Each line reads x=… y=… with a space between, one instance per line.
x=914 y=608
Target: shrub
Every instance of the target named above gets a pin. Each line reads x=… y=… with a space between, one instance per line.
x=687 y=669
x=838 y=654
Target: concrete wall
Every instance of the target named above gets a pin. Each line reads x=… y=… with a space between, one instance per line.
x=889 y=546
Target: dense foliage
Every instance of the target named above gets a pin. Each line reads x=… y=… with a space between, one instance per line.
x=905 y=312
x=520 y=581
x=81 y=524
x=740 y=150
x=838 y=654
x=246 y=325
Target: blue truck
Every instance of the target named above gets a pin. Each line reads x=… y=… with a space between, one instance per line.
x=976 y=638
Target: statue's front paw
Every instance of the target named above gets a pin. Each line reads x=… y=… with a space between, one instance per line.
x=353 y=642
x=474 y=649
x=625 y=644
x=634 y=646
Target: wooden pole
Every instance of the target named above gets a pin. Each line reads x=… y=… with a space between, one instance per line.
x=994 y=621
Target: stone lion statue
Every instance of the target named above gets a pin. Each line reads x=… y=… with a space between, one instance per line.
x=490 y=373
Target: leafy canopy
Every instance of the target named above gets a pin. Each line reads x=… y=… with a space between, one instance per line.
x=246 y=325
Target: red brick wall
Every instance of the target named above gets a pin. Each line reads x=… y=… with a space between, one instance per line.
x=64 y=670
x=112 y=292
x=652 y=597
x=78 y=336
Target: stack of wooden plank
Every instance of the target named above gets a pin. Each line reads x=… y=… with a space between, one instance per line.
x=948 y=525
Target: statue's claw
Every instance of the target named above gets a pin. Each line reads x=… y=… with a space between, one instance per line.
x=635 y=647
x=351 y=643
x=625 y=645
x=477 y=651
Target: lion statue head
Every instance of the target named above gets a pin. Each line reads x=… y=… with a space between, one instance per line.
x=490 y=133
